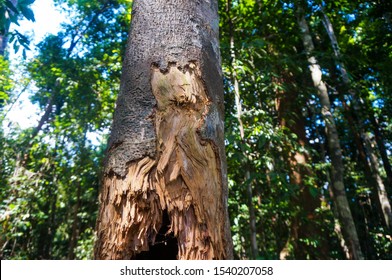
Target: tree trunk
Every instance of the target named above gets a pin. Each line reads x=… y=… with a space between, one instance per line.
x=303 y=225
x=238 y=106
x=166 y=153
x=380 y=189
x=75 y=224
x=335 y=152
x=378 y=135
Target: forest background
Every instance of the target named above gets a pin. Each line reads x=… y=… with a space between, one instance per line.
x=282 y=162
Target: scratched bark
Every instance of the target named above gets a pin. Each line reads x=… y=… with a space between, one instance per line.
x=166 y=148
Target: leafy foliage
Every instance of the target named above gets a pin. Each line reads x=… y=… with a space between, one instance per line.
x=6 y=82
x=11 y=12
x=279 y=170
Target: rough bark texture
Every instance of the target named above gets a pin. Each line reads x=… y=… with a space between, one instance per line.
x=166 y=149
x=334 y=149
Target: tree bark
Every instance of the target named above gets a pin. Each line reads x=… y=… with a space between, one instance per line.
x=166 y=149
x=334 y=149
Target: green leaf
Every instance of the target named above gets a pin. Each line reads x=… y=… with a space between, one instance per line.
x=11 y=6
x=16 y=47
x=27 y=2
x=28 y=13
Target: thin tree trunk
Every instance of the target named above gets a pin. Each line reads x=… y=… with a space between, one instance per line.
x=334 y=149
x=252 y=217
x=166 y=150
x=383 y=150
x=75 y=224
x=238 y=106
x=337 y=226
x=380 y=188
x=363 y=157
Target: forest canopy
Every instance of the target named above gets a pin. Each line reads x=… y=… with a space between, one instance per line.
x=308 y=131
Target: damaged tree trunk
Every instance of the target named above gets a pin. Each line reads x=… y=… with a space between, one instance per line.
x=165 y=173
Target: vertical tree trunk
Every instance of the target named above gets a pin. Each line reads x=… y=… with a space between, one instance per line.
x=73 y=240
x=378 y=135
x=303 y=224
x=380 y=189
x=166 y=149
x=335 y=152
x=238 y=107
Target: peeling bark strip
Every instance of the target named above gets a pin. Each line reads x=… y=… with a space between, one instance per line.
x=166 y=148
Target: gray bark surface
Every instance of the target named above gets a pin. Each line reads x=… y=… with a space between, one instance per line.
x=163 y=32
x=166 y=148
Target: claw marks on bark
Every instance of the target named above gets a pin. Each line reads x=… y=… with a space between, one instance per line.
x=184 y=179
x=188 y=171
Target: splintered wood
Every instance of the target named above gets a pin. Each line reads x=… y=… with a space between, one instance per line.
x=130 y=213
x=184 y=179
x=188 y=175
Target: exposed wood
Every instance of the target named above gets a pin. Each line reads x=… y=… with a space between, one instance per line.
x=130 y=213
x=166 y=150
x=378 y=135
x=185 y=179
x=188 y=179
